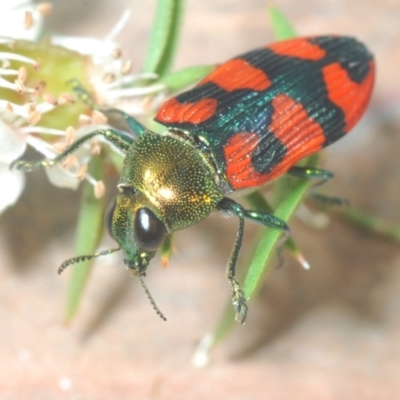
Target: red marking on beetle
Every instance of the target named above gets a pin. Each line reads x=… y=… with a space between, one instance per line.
x=350 y=96
x=292 y=126
x=174 y=112
x=237 y=155
x=300 y=48
x=238 y=74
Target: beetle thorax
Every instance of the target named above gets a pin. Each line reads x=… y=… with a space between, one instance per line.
x=175 y=178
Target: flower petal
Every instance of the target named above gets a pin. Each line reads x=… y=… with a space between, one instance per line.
x=13 y=21
x=86 y=45
x=61 y=178
x=12 y=143
x=13 y=183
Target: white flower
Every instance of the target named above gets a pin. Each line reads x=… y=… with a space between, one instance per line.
x=22 y=19
x=112 y=77
x=28 y=118
x=11 y=147
x=19 y=19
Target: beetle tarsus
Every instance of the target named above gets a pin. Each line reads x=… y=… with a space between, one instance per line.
x=238 y=300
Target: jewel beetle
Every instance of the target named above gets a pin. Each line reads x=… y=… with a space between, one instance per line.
x=245 y=124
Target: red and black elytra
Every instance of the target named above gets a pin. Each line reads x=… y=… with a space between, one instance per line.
x=264 y=110
x=246 y=123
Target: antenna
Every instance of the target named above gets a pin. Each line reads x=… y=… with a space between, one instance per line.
x=85 y=257
x=153 y=303
x=77 y=259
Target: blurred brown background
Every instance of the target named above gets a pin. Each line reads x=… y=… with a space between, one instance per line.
x=330 y=333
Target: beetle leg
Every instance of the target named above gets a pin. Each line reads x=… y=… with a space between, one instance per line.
x=329 y=201
x=312 y=173
x=118 y=139
x=83 y=94
x=114 y=116
x=133 y=125
x=324 y=175
x=230 y=207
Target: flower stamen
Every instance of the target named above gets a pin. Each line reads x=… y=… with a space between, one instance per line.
x=98 y=118
x=95 y=147
x=16 y=57
x=118 y=27
x=126 y=68
x=34 y=117
x=70 y=135
x=28 y=20
x=109 y=77
x=50 y=98
x=6 y=71
x=116 y=53
x=118 y=93
x=69 y=162
x=99 y=189
x=42 y=130
x=44 y=8
x=66 y=98
x=84 y=120
x=22 y=74
x=82 y=171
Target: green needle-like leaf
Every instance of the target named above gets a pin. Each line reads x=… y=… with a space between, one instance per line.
x=179 y=80
x=289 y=192
x=280 y=25
x=372 y=224
x=257 y=201
x=164 y=36
x=166 y=250
x=88 y=235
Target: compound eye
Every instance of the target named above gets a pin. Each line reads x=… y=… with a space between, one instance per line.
x=108 y=217
x=149 y=230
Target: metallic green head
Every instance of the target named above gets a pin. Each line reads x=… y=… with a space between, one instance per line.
x=166 y=185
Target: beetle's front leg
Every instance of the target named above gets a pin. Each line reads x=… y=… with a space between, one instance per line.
x=118 y=139
x=135 y=126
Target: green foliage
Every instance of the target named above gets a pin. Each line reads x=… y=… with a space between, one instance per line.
x=280 y=25
x=179 y=80
x=164 y=36
x=88 y=234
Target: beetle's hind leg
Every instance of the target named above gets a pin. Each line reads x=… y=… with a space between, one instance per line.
x=311 y=173
x=324 y=176
x=230 y=207
x=118 y=139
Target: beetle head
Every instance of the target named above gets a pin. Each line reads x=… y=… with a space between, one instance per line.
x=136 y=228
